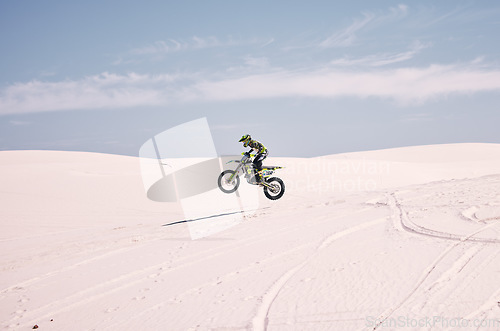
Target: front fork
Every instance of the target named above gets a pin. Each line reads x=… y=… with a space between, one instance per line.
x=264 y=183
x=230 y=179
x=269 y=186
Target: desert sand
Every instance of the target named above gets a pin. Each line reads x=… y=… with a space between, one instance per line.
x=401 y=238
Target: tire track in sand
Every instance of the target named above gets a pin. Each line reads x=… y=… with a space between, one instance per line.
x=397 y=209
x=135 y=277
x=261 y=319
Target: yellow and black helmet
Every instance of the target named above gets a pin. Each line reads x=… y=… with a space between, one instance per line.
x=245 y=140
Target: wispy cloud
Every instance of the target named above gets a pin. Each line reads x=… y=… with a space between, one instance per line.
x=348 y=36
x=444 y=17
x=260 y=62
x=19 y=123
x=93 y=92
x=173 y=45
x=251 y=64
x=402 y=85
x=377 y=60
x=161 y=48
x=478 y=60
x=267 y=43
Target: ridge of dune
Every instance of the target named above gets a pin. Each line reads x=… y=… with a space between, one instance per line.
x=460 y=152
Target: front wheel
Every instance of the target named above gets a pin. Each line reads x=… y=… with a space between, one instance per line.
x=228 y=181
x=275 y=188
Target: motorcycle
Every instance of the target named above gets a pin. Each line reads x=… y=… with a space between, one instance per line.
x=229 y=180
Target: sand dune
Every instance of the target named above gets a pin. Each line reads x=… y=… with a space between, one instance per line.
x=407 y=237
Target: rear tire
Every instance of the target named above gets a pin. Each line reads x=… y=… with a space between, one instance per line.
x=223 y=183
x=278 y=191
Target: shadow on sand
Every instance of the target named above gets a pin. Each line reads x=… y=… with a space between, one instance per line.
x=212 y=216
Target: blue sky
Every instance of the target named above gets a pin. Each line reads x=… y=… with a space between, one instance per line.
x=305 y=78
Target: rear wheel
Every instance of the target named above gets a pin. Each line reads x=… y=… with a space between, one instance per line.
x=276 y=188
x=228 y=184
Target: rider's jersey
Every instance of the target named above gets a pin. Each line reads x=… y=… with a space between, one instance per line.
x=254 y=144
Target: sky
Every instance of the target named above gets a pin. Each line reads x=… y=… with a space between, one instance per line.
x=304 y=78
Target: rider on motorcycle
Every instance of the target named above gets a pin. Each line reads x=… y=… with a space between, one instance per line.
x=259 y=157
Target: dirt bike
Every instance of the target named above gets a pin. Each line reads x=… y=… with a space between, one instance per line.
x=229 y=180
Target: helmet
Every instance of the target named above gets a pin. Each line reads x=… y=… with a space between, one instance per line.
x=245 y=140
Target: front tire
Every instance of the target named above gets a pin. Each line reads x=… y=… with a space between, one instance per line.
x=277 y=190
x=227 y=186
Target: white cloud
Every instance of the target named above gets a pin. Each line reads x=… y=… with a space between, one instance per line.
x=478 y=60
x=161 y=48
x=445 y=16
x=194 y=43
x=19 y=123
x=382 y=59
x=93 y=92
x=399 y=11
x=403 y=85
x=250 y=65
x=395 y=13
x=260 y=62
x=348 y=36
x=269 y=42
x=173 y=45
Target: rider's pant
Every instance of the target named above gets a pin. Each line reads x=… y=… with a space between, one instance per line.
x=257 y=163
